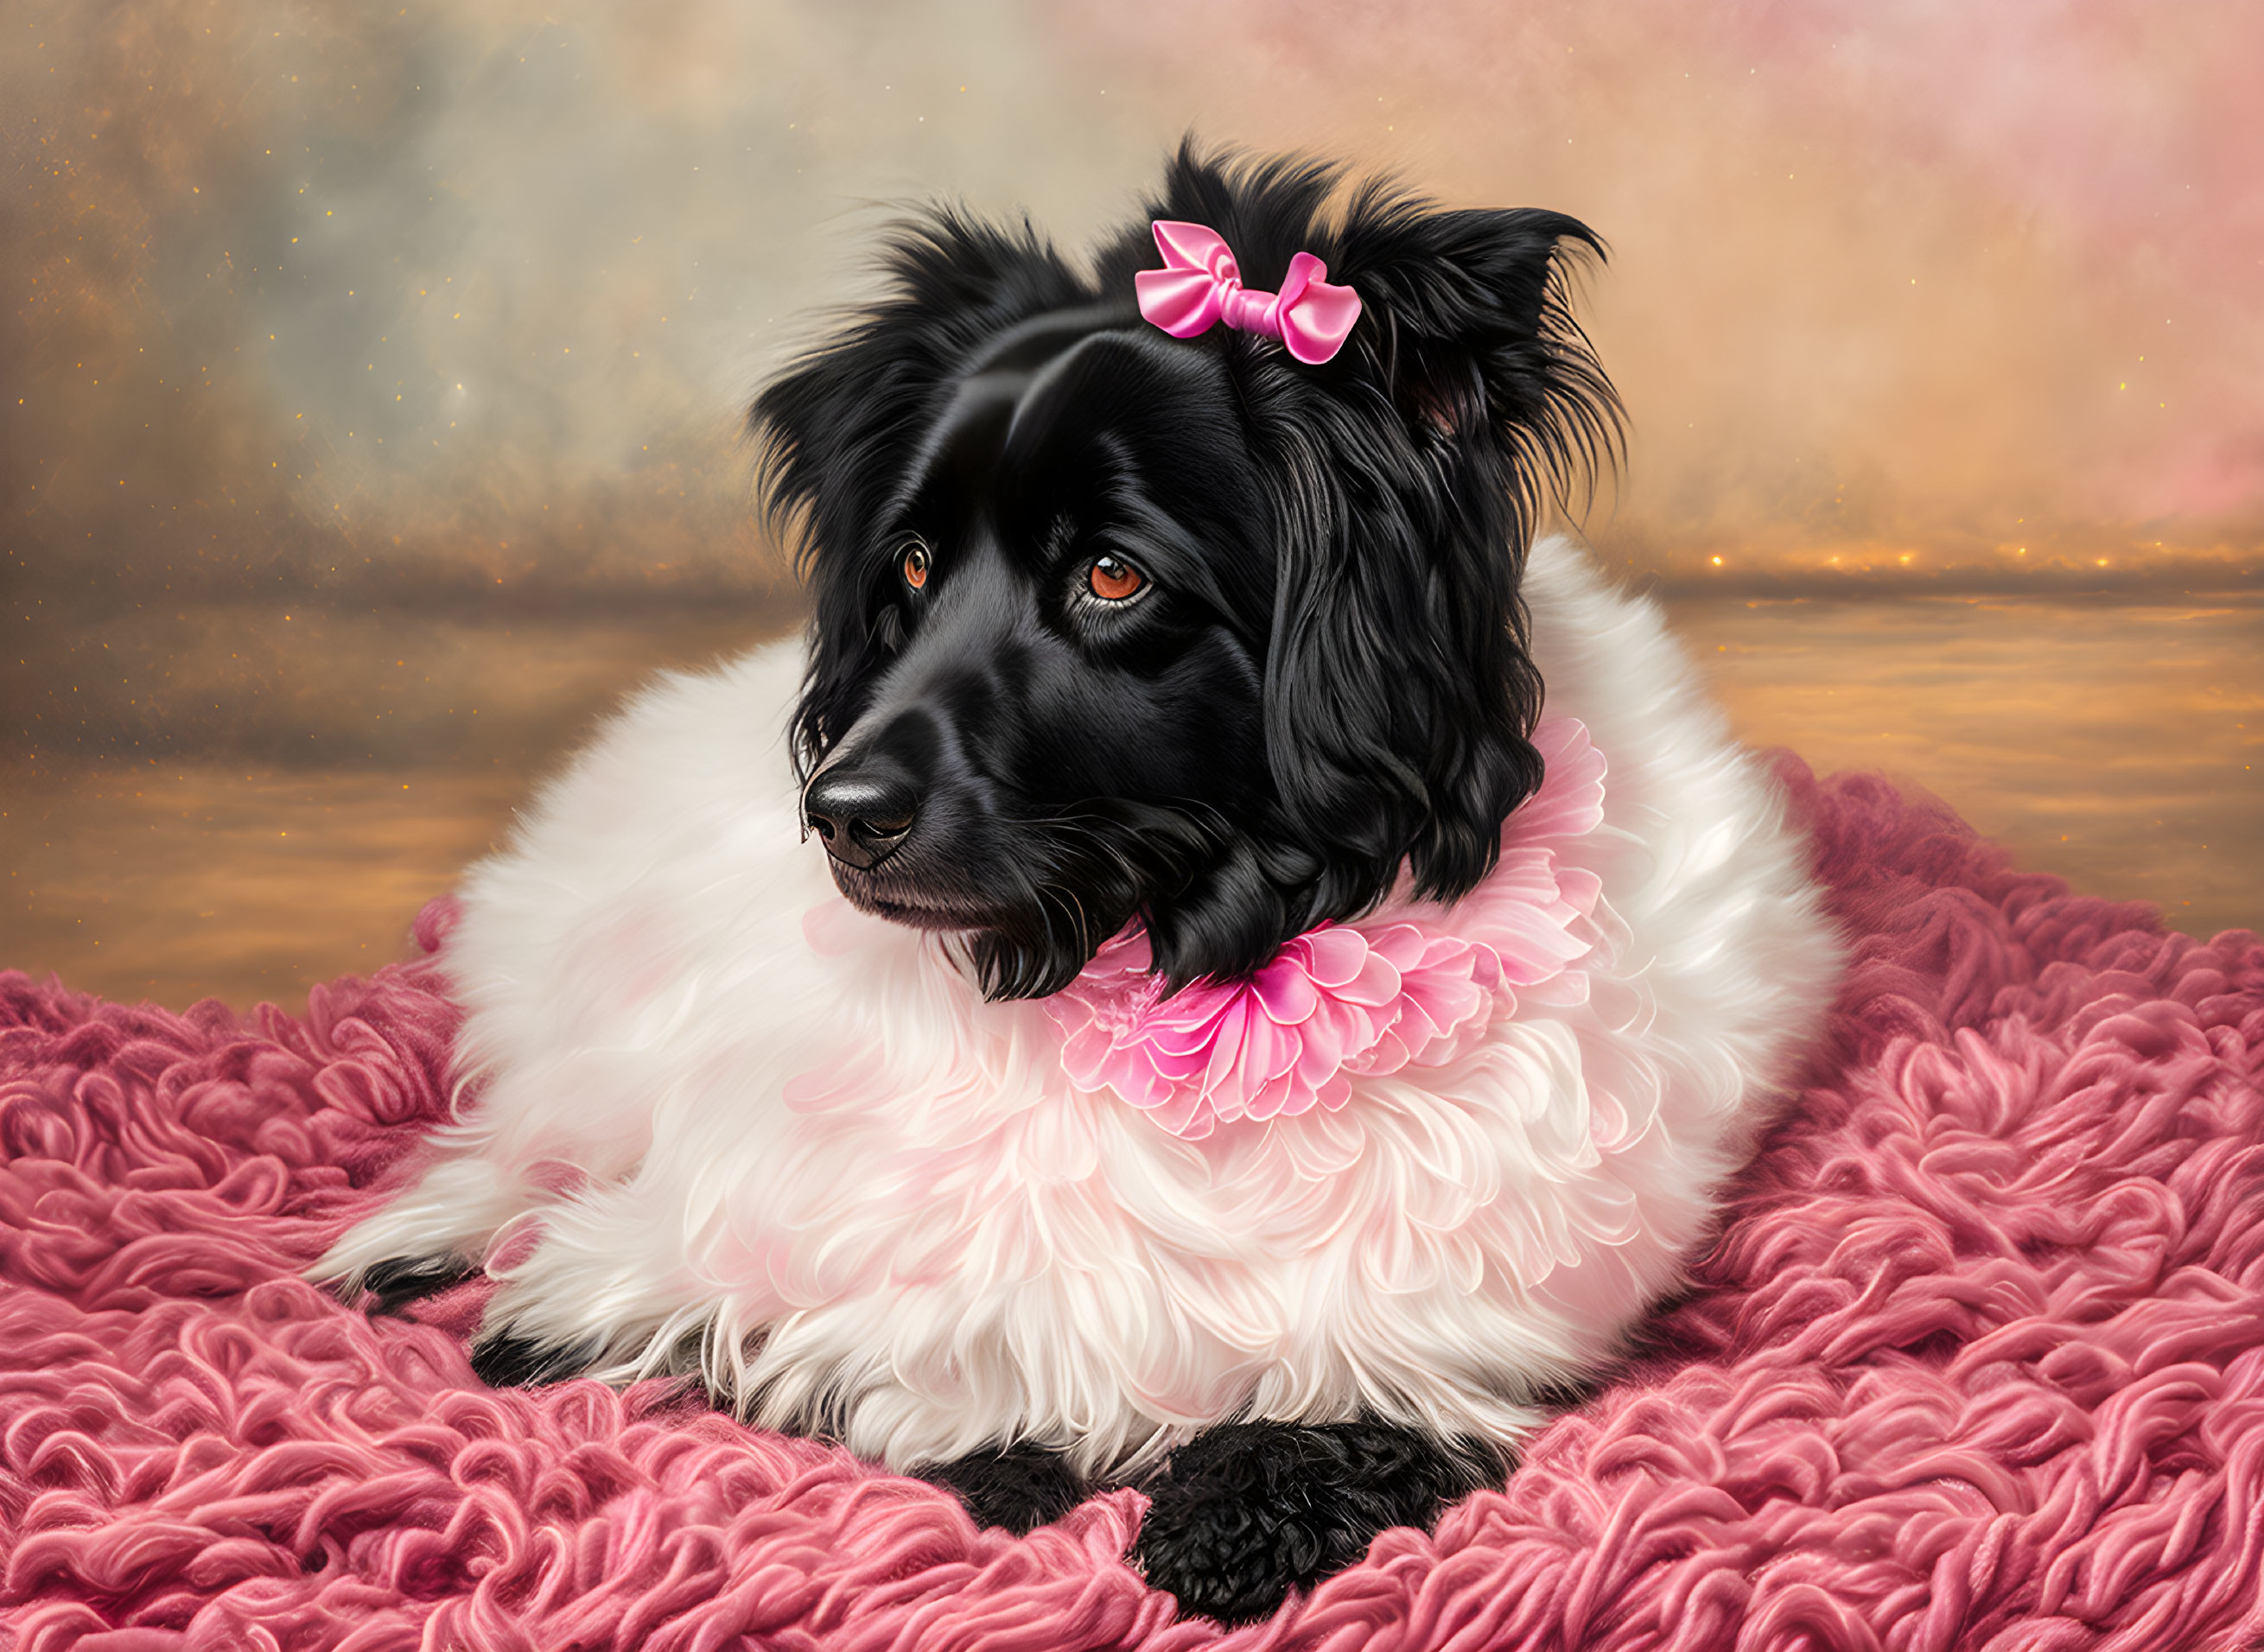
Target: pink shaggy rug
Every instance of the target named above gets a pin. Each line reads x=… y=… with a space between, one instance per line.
x=1977 y=1361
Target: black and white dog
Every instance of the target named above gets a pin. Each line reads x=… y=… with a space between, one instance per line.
x=1270 y=1042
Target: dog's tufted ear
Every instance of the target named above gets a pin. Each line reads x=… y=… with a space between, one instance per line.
x=838 y=431
x=1470 y=333
x=1400 y=692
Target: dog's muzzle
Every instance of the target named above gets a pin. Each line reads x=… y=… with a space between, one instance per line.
x=862 y=809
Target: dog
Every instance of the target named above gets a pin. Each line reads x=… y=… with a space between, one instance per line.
x=1224 y=965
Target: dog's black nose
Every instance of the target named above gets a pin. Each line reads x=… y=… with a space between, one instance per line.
x=861 y=810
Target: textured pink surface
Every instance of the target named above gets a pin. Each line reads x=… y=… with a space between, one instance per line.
x=1979 y=1362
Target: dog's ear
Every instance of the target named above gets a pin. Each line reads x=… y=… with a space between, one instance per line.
x=1401 y=697
x=836 y=433
x=1470 y=333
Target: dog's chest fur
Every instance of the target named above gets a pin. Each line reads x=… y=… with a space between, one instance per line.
x=726 y=1121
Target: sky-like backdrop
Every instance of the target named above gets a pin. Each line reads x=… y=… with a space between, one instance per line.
x=372 y=379
x=386 y=298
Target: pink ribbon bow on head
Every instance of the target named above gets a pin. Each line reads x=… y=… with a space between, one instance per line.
x=1200 y=286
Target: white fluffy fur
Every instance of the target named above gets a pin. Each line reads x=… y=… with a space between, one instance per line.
x=812 y=1160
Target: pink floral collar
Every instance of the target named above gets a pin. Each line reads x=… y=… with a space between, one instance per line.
x=1410 y=985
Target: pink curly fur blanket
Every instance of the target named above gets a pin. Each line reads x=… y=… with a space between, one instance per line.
x=1977 y=1361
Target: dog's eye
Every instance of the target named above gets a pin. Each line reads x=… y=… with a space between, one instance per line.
x=1113 y=579
x=916 y=564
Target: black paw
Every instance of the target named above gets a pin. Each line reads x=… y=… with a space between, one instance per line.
x=402 y=1280
x=503 y=1360
x=1244 y=1513
x=1020 y=1487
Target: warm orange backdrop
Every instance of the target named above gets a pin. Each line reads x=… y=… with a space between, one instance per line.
x=370 y=371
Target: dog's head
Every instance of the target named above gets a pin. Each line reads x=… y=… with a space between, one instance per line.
x=1111 y=625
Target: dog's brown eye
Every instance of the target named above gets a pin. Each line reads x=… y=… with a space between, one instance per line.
x=1112 y=580
x=916 y=564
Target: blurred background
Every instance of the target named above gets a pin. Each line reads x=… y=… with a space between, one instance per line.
x=371 y=378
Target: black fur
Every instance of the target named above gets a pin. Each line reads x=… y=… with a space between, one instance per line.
x=1325 y=678
x=395 y=1284
x=1244 y=1513
x=503 y=1359
x=1020 y=1488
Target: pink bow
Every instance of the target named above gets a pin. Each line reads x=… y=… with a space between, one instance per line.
x=1199 y=285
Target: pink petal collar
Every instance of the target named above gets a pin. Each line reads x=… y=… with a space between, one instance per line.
x=1412 y=984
